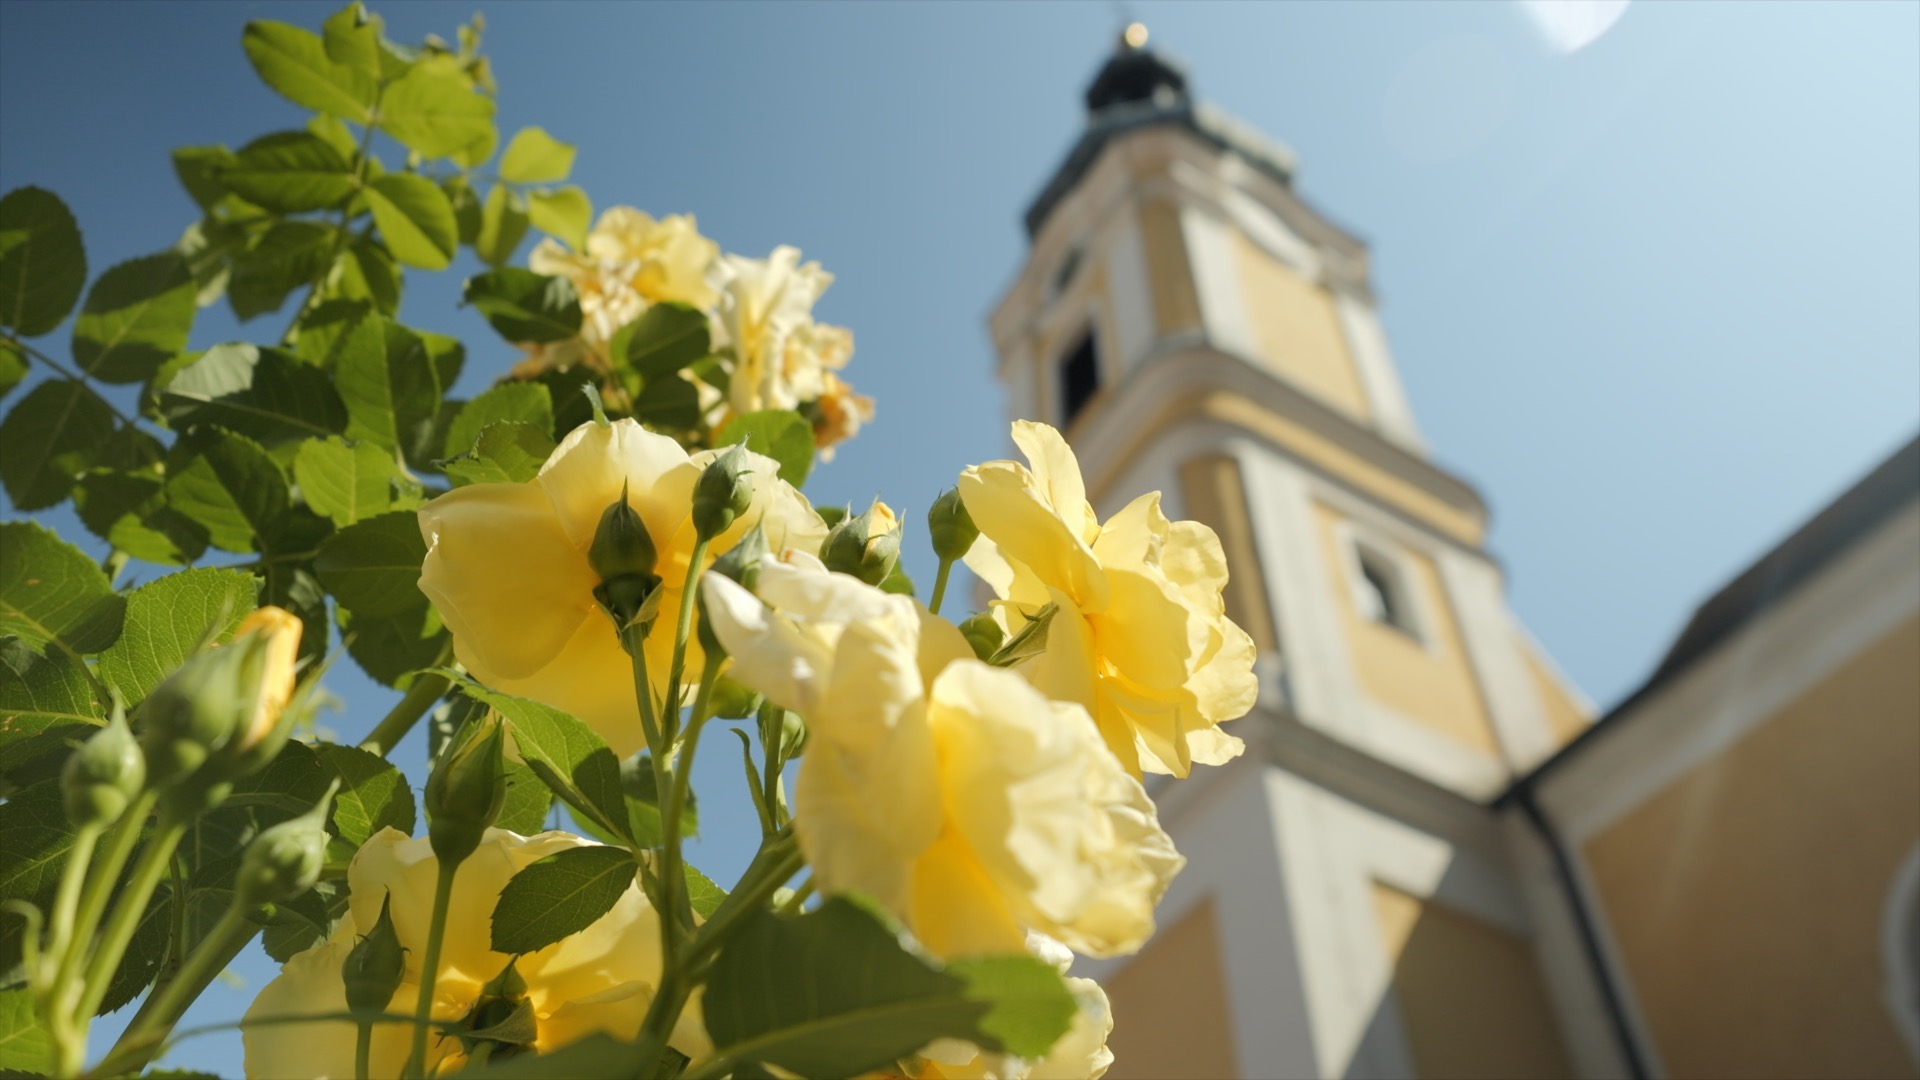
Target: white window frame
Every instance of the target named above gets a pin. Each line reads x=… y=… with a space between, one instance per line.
x=1360 y=545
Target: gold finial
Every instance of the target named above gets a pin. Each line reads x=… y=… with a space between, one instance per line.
x=1135 y=35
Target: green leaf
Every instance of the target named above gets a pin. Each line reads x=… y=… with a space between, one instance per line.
x=51 y=593
x=505 y=453
x=167 y=619
x=668 y=403
x=566 y=754
x=129 y=510
x=292 y=254
x=390 y=648
x=373 y=794
x=292 y=927
x=44 y=701
x=448 y=355
x=368 y=272
x=643 y=803
x=136 y=318
x=563 y=213
x=50 y=438
x=415 y=219
x=35 y=834
x=562 y=894
x=345 y=482
x=503 y=224
x=373 y=568
x=294 y=62
x=262 y=393
x=25 y=1046
x=13 y=367
x=435 y=114
x=833 y=993
x=330 y=130
x=528 y=801
x=228 y=484
x=199 y=169
x=290 y=172
x=42 y=262
x=525 y=403
x=388 y=382
x=351 y=37
x=535 y=157
x=524 y=306
x=781 y=434
x=668 y=337
x=702 y=893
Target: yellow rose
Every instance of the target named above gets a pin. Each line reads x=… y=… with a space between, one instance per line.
x=631 y=261
x=838 y=414
x=781 y=355
x=507 y=568
x=601 y=979
x=1141 y=638
x=952 y=792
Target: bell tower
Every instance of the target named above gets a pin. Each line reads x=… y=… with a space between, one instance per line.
x=1193 y=325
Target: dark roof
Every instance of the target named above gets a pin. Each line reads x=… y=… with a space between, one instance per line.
x=1139 y=88
x=1825 y=537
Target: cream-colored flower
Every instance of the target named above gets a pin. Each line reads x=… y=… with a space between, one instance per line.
x=781 y=356
x=631 y=262
x=1079 y=1054
x=507 y=567
x=950 y=791
x=1141 y=638
x=600 y=979
x=838 y=414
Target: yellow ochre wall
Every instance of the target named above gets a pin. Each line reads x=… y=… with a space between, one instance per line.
x=1170 y=1017
x=1431 y=685
x=1214 y=495
x=1296 y=330
x=1470 y=998
x=1176 y=304
x=1746 y=898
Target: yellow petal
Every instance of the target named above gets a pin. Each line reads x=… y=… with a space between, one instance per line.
x=956 y=909
x=1009 y=506
x=503 y=576
x=592 y=678
x=864 y=816
x=1058 y=472
x=585 y=475
x=771 y=653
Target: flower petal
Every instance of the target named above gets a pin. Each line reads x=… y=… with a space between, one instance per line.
x=585 y=475
x=503 y=576
x=1008 y=504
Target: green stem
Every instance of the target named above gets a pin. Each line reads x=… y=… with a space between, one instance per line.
x=153 y=863
x=363 y=1051
x=430 y=971
x=798 y=900
x=426 y=689
x=101 y=881
x=674 y=884
x=66 y=902
x=154 y=1022
x=634 y=639
x=683 y=627
x=940 y=585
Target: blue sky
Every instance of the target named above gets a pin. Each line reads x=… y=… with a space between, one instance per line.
x=1656 y=299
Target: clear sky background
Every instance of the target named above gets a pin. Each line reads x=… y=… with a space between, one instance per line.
x=1658 y=299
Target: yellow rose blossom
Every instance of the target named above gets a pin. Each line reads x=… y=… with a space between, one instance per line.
x=781 y=356
x=838 y=415
x=279 y=632
x=507 y=567
x=631 y=261
x=599 y=980
x=950 y=791
x=1141 y=637
x=1080 y=1054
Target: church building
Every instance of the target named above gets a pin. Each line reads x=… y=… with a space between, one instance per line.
x=1433 y=860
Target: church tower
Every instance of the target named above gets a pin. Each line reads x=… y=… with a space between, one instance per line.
x=1350 y=908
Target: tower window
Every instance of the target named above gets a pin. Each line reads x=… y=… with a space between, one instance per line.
x=1382 y=591
x=1079 y=378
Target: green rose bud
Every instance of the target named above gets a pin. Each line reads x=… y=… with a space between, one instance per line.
x=225 y=711
x=467 y=787
x=732 y=701
x=793 y=735
x=284 y=861
x=374 y=968
x=867 y=547
x=103 y=775
x=741 y=564
x=950 y=526
x=623 y=555
x=983 y=634
x=722 y=494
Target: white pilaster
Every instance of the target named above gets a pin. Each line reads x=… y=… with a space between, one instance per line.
x=1378 y=376
x=1130 y=292
x=1513 y=702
